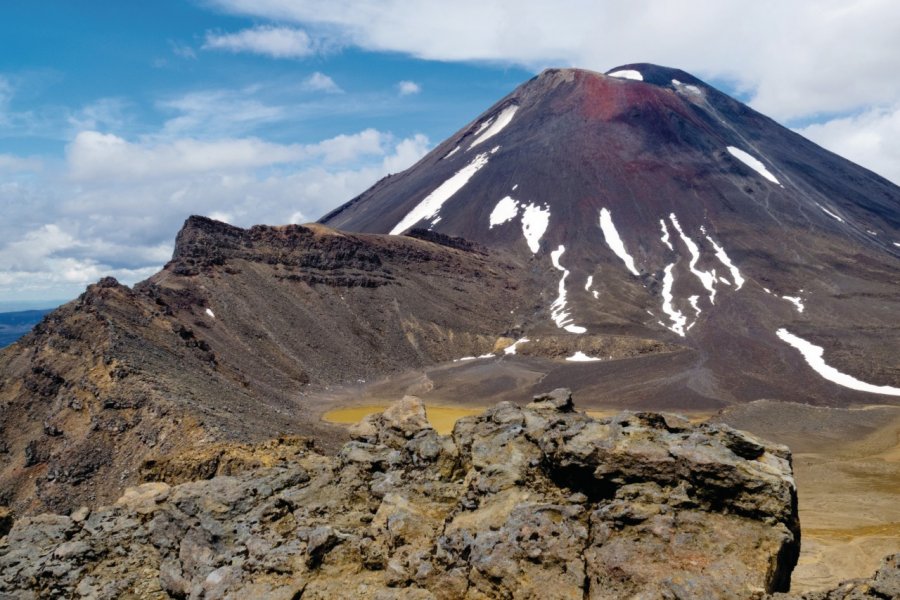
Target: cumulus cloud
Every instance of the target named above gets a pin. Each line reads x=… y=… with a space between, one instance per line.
x=320 y=82
x=833 y=69
x=407 y=88
x=119 y=203
x=871 y=139
x=268 y=40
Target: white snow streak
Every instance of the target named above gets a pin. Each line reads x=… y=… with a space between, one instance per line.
x=706 y=278
x=511 y=349
x=628 y=74
x=723 y=258
x=506 y=210
x=796 y=301
x=451 y=153
x=558 y=311
x=210 y=313
x=581 y=357
x=693 y=300
x=611 y=235
x=534 y=223
x=665 y=235
x=432 y=203
x=678 y=319
x=752 y=162
x=814 y=356
x=589 y=283
x=686 y=87
x=829 y=213
x=497 y=125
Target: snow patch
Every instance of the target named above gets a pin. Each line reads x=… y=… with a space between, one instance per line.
x=706 y=278
x=515 y=186
x=495 y=125
x=581 y=357
x=535 y=220
x=432 y=203
x=678 y=319
x=752 y=162
x=210 y=313
x=665 y=234
x=694 y=304
x=506 y=210
x=723 y=258
x=628 y=74
x=451 y=153
x=611 y=235
x=796 y=301
x=870 y=232
x=558 y=311
x=596 y=294
x=511 y=349
x=814 y=356
x=830 y=214
x=686 y=87
x=589 y=283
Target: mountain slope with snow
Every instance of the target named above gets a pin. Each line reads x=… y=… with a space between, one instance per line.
x=685 y=216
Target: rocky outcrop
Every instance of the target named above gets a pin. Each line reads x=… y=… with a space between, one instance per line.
x=533 y=502
x=884 y=584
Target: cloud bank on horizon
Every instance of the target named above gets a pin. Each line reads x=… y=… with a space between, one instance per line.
x=276 y=111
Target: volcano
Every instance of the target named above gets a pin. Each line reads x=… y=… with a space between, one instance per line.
x=637 y=236
x=652 y=205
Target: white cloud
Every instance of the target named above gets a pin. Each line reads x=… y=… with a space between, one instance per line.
x=105 y=113
x=10 y=163
x=217 y=113
x=407 y=88
x=320 y=82
x=871 y=139
x=182 y=50
x=277 y=42
x=794 y=58
x=93 y=155
x=120 y=207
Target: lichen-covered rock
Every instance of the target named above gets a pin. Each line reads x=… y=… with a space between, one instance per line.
x=534 y=502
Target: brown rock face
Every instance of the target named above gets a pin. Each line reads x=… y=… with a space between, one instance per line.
x=224 y=344
x=536 y=502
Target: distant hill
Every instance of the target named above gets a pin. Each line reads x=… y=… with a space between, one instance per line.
x=14 y=325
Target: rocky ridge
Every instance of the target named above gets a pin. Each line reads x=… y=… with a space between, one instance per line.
x=519 y=502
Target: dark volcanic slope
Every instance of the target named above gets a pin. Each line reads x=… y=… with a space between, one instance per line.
x=736 y=226
x=222 y=343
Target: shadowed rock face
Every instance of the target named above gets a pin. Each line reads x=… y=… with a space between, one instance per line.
x=533 y=502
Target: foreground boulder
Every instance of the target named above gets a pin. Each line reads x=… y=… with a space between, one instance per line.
x=533 y=502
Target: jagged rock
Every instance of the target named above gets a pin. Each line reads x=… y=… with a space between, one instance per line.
x=885 y=583
x=533 y=502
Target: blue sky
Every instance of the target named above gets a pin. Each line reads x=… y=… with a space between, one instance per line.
x=120 y=119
